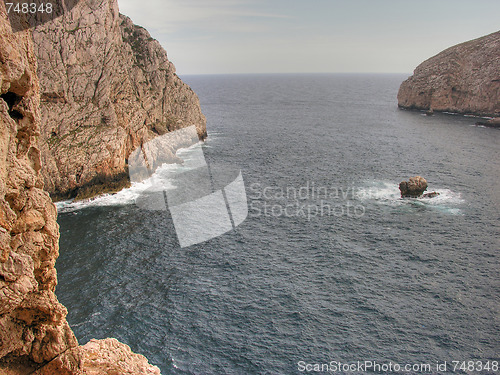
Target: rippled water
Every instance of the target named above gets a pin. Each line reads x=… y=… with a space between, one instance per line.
x=330 y=265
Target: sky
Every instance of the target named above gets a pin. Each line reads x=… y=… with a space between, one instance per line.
x=315 y=36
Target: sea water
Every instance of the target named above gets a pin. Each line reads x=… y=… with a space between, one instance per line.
x=330 y=266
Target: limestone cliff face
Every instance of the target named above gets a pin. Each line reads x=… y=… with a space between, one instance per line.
x=34 y=333
x=32 y=321
x=463 y=79
x=107 y=87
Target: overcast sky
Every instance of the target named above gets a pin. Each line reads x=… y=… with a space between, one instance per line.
x=290 y=36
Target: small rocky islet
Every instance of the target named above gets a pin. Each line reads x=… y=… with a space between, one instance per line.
x=415 y=188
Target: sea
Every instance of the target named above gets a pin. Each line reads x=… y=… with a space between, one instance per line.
x=331 y=271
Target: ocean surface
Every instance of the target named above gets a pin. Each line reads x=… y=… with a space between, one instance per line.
x=330 y=266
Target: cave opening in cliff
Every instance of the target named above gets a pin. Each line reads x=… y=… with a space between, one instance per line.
x=12 y=99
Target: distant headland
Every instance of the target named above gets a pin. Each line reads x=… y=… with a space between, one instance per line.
x=462 y=79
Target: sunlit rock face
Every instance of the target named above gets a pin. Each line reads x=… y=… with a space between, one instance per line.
x=107 y=87
x=35 y=337
x=32 y=322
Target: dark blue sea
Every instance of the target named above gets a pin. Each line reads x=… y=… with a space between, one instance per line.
x=331 y=266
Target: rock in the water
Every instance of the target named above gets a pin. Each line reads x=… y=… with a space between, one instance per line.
x=464 y=79
x=430 y=195
x=492 y=123
x=413 y=188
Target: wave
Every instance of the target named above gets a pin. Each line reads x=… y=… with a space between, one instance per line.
x=467 y=115
x=159 y=181
x=381 y=191
x=122 y=198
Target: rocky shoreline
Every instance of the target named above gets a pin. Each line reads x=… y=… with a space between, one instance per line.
x=490 y=123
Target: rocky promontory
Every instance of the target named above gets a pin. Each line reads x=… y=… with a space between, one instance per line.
x=462 y=79
x=107 y=87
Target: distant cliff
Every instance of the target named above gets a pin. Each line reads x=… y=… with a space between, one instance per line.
x=464 y=79
x=106 y=88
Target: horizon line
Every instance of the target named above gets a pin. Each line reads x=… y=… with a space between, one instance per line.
x=289 y=73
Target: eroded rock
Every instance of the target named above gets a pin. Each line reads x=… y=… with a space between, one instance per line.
x=32 y=321
x=413 y=188
x=34 y=333
x=100 y=357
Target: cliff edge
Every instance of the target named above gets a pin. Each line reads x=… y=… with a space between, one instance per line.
x=463 y=79
x=107 y=87
x=35 y=337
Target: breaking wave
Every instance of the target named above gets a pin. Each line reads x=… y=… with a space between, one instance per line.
x=159 y=180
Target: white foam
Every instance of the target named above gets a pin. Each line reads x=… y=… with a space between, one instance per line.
x=446 y=196
x=474 y=116
x=122 y=198
x=387 y=193
x=159 y=181
x=383 y=191
x=174 y=364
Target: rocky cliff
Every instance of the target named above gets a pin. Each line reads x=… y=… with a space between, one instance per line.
x=107 y=87
x=32 y=321
x=34 y=333
x=463 y=79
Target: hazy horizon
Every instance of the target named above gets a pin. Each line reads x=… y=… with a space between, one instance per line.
x=327 y=36
x=293 y=73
